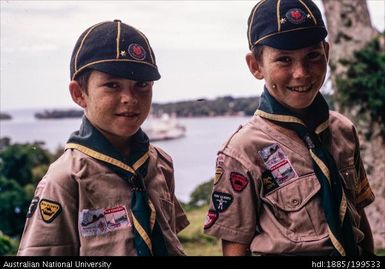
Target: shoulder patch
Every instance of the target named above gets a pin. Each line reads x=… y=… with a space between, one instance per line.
x=49 y=210
x=211 y=218
x=238 y=181
x=221 y=200
x=33 y=206
x=218 y=174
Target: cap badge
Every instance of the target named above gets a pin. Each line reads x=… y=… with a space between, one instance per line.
x=136 y=51
x=295 y=16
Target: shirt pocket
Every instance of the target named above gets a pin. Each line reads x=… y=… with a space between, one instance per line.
x=296 y=210
x=349 y=178
x=168 y=212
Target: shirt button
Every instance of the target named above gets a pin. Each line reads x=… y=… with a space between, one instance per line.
x=295 y=202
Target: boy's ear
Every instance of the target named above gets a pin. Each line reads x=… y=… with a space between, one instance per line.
x=77 y=94
x=254 y=66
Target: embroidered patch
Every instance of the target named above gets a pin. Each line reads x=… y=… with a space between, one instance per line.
x=136 y=51
x=295 y=15
x=49 y=210
x=211 y=218
x=220 y=160
x=221 y=200
x=238 y=181
x=268 y=182
x=218 y=174
x=278 y=163
x=116 y=218
x=33 y=206
x=101 y=221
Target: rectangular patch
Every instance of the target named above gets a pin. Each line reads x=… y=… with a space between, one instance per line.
x=278 y=163
x=101 y=221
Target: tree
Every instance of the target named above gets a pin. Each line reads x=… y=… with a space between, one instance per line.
x=17 y=161
x=350 y=30
x=14 y=204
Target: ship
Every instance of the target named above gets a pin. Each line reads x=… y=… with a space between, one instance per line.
x=164 y=128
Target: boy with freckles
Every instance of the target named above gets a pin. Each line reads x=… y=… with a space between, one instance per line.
x=111 y=192
x=291 y=180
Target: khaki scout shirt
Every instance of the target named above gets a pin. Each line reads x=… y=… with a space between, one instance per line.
x=86 y=208
x=281 y=212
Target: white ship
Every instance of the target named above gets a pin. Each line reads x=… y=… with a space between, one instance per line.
x=164 y=128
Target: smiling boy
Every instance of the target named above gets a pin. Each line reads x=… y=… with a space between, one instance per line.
x=291 y=180
x=111 y=192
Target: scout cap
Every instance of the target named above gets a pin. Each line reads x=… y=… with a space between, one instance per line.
x=116 y=49
x=285 y=24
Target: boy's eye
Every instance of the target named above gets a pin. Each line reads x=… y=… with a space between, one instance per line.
x=314 y=55
x=284 y=59
x=142 y=84
x=112 y=85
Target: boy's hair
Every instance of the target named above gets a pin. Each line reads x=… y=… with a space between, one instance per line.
x=257 y=52
x=82 y=79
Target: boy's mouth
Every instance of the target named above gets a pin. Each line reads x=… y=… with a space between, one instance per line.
x=128 y=114
x=304 y=88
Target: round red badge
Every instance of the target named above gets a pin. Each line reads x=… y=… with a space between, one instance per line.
x=296 y=16
x=136 y=51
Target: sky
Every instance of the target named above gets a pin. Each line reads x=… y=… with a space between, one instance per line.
x=200 y=47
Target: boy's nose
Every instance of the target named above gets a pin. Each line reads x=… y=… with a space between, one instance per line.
x=300 y=70
x=128 y=96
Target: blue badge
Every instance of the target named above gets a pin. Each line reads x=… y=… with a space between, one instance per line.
x=295 y=16
x=221 y=200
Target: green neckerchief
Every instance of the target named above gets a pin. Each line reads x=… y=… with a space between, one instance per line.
x=334 y=201
x=148 y=238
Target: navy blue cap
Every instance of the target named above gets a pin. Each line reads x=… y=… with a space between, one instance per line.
x=117 y=49
x=285 y=24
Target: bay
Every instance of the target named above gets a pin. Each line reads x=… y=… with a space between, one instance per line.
x=194 y=155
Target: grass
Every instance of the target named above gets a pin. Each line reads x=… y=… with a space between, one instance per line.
x=196 y=243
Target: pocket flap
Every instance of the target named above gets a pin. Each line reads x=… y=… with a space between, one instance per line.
x=295 y=194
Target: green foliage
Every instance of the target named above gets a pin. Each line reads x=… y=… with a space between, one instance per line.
x=8 y=246
x=17 y=161
x=201 y=195
x=194 y=241
x=14 y=204
x=21 y=167
x=365 y=82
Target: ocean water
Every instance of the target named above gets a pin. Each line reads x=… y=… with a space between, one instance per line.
x=194 y=155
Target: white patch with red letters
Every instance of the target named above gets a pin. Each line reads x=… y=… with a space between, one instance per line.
x=101 y=221
x=278 y=163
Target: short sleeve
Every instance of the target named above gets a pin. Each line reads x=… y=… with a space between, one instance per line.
x=363 y=193
x=233 y=207
x=180 y=217
x=51 y=225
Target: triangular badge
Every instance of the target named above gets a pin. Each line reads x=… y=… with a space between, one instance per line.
x=49 y=210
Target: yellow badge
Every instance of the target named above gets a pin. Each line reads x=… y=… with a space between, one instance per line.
x=218 y=174
x=49 y=210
